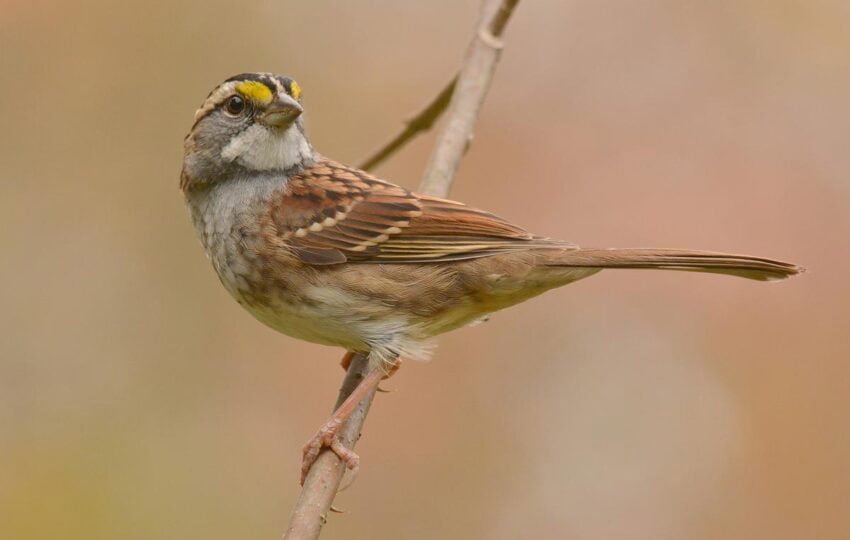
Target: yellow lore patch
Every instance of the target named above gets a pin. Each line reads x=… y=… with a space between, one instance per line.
x=255 y=91
x=296 y=90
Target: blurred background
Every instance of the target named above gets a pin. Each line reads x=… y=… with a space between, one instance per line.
x=137 y=400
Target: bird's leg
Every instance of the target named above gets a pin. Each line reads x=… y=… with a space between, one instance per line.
x=390 y=367
x=346 y=360
x=327 y=437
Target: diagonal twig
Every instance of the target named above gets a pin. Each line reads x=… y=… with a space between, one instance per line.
x=464 y=97
x=473 y=82
x=320 y=486
x=496 y=20
x=419 y=123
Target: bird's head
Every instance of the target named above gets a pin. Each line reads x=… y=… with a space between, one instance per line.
x=250 y=123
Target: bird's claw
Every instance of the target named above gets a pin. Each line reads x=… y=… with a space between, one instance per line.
x=327 y=437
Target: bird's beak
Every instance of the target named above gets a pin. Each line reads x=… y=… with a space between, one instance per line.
x=282 y=112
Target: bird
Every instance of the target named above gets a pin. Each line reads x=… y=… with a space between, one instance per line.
x=331 y=254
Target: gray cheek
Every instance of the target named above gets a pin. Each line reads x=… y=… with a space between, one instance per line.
x=206 y=164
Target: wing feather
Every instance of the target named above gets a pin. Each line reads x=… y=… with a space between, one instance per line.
x=331 y=214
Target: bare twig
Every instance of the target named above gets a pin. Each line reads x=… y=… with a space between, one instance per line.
x=323 y=481
x=471 y=83
x=493 y=18
x=419 y=123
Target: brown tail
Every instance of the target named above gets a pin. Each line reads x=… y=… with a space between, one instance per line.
x=743 y=266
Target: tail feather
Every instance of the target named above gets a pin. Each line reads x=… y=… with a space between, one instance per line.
x=743 y=266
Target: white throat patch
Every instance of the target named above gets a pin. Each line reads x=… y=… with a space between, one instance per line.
x=262 y=149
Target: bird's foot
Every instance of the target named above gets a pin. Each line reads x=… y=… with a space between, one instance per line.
x=328 y=434
x=327 y=437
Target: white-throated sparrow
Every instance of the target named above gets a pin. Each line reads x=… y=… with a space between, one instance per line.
x=330 y=254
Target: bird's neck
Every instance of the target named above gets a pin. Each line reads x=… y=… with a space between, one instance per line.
x=257 y=150
x=217 y=207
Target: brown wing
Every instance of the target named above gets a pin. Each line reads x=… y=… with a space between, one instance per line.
x=330 y=214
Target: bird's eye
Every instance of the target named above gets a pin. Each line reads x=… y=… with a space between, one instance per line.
x=234 y=106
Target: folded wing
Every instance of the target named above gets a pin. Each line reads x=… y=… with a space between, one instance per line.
x=331 y=214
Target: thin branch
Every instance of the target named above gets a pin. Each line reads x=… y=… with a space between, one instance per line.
x=424 y=120
x=419 y=123
x=471 y=85
x=322 y=483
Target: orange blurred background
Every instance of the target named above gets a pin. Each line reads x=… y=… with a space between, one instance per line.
x=137 y=400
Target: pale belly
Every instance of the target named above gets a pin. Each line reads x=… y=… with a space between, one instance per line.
x=332 y=317
x=308 y=323
x=363 y=322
